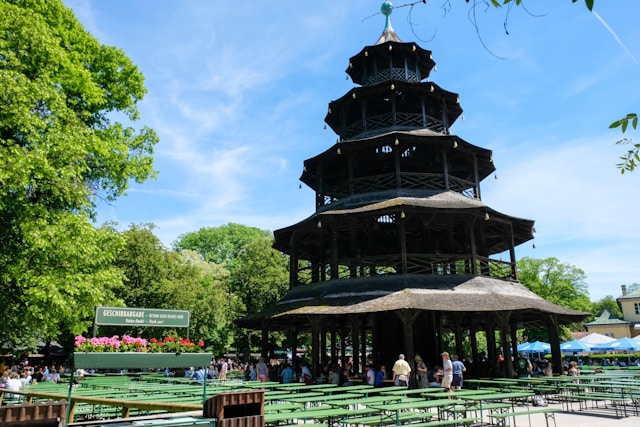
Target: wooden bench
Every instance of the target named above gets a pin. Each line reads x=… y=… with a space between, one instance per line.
x=549 y=413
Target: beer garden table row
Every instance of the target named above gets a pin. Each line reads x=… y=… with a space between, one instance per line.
x=331 y=404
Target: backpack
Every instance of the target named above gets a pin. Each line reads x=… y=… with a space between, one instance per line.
x=539 y=401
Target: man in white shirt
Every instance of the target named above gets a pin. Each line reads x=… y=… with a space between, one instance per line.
x=401 y=371
x=371 y=375
x=14 y=384
x=447 y=369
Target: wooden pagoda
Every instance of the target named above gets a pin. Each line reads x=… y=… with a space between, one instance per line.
x=401 y=248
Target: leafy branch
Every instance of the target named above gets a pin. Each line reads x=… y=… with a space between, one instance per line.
x=496 y=3
x=632 y=158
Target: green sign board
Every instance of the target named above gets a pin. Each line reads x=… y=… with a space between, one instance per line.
x=126 y=316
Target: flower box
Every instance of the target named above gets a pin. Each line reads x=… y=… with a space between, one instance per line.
x=131 y=360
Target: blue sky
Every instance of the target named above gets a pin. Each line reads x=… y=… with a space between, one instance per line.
x=238 y=91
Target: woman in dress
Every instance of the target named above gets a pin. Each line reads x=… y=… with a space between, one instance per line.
x=422 y=378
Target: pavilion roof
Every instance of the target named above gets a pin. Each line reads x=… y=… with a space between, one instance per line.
x=443 y=293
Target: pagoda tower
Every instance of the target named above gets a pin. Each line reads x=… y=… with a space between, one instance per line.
x=401 y=248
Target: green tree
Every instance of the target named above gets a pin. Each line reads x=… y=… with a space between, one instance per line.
x=258 y=273
x=219 y=244
x=559 y=283
x=260 y=277
x=156 y=277
x=144 y=264
x=633 y=287
x=606 y=303
x=61 y=152
x=201 y=287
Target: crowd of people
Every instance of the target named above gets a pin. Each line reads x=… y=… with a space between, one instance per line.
x=449 y=375
x=17 y=377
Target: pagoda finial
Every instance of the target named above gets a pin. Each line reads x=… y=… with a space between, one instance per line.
x=388 y=34
x=387 y=9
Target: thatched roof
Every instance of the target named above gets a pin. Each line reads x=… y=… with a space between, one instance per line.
x=443 y=293
x=447 y=204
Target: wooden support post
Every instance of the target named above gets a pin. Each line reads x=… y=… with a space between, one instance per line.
x=316 y=326
x=355 y=341
x=504 y=317
x=554 y=341
x=408 y=317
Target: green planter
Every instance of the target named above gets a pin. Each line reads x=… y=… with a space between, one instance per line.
x=140 y=360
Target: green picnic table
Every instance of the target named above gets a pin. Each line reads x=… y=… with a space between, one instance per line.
x=394 y=409
x=496 y=397
x=314 y=400
x=334 y=416
x=403 y=391
x=364 y=401
x=267 y=385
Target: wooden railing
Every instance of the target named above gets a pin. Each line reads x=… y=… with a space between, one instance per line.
x=125 y=405
x=385 y=123
x=41 y=414
x=408 y=180
x=428 y=264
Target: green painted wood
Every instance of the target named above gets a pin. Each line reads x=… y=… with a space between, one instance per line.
x=140 y=360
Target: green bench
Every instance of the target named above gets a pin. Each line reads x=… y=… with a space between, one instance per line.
x=283 y=407
x=378 y=420
x=549 y=413
x=452 y=422
x=616 y=400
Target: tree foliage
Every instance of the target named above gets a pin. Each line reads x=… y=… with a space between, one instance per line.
x=60 y=152
x=559 y=283
x=156 y=277
x=258 y=273
x=632 y=157
x=607 y=303
x=219 y=244
x=259 y=277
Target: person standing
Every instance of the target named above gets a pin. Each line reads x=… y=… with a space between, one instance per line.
x=447 y=371
x=401 y=372
x=523 y=367
x=422 y=373
x=222 y=372
x=263 y=370
x=458 y=369
x=288 y=374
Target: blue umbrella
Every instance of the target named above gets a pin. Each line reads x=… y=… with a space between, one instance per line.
x=622 y=344
x=535 y=347
x=575 y=346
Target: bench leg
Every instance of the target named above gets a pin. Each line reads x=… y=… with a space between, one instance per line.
x=551 y=415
